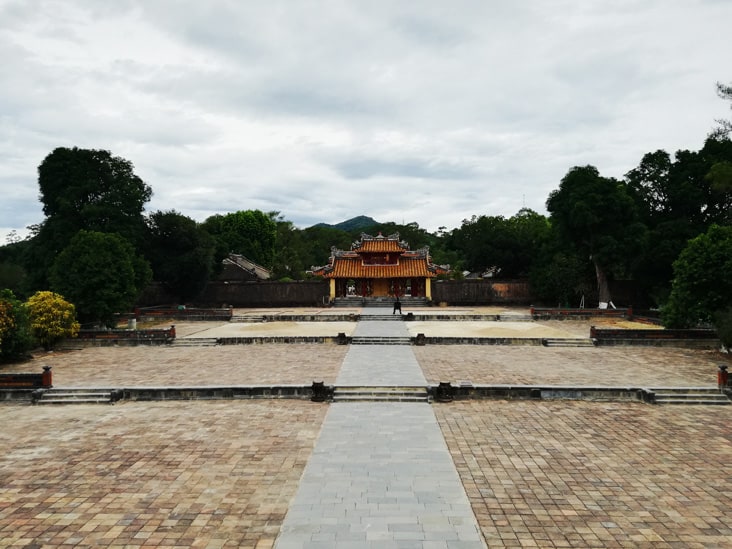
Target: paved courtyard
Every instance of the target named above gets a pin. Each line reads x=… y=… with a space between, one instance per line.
x=223 y=473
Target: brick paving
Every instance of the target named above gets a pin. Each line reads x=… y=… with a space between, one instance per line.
x=222 y=473
x=157 y=366
x=163 y=474
x=582 y=474
x=604 y=366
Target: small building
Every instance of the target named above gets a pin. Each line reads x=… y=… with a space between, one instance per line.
x=380 y=266
x=237 y=268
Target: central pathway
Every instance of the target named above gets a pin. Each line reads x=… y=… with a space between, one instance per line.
x=380 y=475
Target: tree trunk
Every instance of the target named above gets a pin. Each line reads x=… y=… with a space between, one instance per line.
x=603 y=289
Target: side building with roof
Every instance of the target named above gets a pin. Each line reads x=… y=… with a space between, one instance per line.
x=380 y=266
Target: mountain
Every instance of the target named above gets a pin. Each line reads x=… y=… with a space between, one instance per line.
x=353 y=224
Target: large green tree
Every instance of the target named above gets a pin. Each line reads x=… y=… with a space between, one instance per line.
x=180 y=252
x=251 y=233
x=677 y=200
x=101 y=274
x=509 y=246
x=598 y=218
x=725 y=92
x=84 y=189
x=702 y=283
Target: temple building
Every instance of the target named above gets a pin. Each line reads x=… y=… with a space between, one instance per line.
x=380 y=266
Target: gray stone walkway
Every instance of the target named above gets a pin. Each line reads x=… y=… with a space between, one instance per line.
x=381 y=475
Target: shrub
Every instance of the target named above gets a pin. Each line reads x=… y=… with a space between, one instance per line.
x=52 y=318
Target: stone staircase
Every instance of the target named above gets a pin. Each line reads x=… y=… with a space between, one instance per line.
x=76 y=396
x=690 y=395
x=407 y=302
x=381 y=340
x=195 y=342
x=386 y=317
x=246 y=318
x=380 y=394
x=564 y=342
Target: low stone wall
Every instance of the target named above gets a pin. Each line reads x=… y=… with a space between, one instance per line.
x=217 y=393
x=556 y=313
x=697 y=339
x=175 y=313
x=27 y=380
x=481 y=292
x=103 y=338
x=446 y=392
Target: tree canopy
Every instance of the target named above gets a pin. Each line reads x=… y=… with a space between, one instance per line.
x=180 y=252
x=251 y=233
x=598 y=217
x=702 y=283
x=101 y=274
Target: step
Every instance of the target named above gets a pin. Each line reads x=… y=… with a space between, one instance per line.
x=567 y=342
x=690 y=396
x=381 y=317
x=246 y=318
x=381 y=340
x=195 y=342
x=380 y=394
x=81 y=396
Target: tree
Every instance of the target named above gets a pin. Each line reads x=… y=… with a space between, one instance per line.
x=598 y=218
x=677 y=200
x=725 y=126
x=509 y=246
x=15 y=335
x=251 y=233
x=52 y=318
x=723 y=323
x=702 y=283
x=84 y=189
x=180 y=252
x=100 y=274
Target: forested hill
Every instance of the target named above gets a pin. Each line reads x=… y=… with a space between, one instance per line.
x=353 y=224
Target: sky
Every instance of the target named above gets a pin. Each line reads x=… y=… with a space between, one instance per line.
x=422 y=111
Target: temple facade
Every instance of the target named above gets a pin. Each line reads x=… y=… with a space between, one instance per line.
x=380 y=266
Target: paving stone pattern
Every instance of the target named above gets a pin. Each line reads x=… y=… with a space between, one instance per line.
x=380 y=475
x=161 y=366
x=583 y=474
x=223 y=473
x=172 y=474
x=593 y=366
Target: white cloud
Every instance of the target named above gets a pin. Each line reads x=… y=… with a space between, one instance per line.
x=323 y=110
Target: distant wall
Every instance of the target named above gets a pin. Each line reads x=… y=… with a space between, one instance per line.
x=246 y=294
x=479 y=292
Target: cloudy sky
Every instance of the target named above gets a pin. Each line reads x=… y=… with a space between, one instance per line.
x=427 y=111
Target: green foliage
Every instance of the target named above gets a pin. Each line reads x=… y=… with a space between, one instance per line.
x=598 y=218
x=725 y=126
x=84 y=189
x=677 y=200
x=251 y=233
x=723 y=324
x=180 y=252
x=15 y=335
x=92 y=190
x=702 y=283
x=52 y=318
x=100 y=274
x=560 y=277
x=510 y=246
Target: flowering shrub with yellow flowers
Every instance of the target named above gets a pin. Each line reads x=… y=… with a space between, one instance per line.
x=52 y=318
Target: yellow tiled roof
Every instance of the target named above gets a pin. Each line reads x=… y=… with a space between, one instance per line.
x=379 y=245
x=354 y=268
